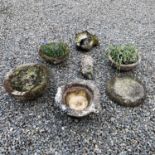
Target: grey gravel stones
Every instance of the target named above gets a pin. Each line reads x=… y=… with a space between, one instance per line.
x=126 y=91
x=27 y=81
x=87 y=67
x=84 y=97
x=86 y=41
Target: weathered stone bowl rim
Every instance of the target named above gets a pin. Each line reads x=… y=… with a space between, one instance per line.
x=94 y=105
x=140 y=101
x=21 y=94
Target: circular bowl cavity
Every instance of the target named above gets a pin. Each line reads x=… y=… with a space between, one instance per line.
x=78 y=98
x=27 y=81
x=126 y=91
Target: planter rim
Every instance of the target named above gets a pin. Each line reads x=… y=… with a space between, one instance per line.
x=125 y=65
x=94 y=105
x=54 y=60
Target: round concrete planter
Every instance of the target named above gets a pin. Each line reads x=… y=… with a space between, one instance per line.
x=26 y=82
x=124 y=67
x=54 y=59
x=78 y=98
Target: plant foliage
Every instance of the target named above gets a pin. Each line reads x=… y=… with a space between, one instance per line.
x=55 y=49
x=123 y=54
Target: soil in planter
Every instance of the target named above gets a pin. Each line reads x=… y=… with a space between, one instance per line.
x=77 y=99
x=27 y=78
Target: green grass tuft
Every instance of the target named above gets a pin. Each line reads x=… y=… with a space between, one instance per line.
x=123 y=54
x=55 y=49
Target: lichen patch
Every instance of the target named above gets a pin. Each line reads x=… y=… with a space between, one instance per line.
x=26 y=79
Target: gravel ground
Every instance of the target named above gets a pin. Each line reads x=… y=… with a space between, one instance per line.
x=39 y=127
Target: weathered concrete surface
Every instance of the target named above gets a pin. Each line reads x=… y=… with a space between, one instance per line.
x=93 y=101
x=39 y=127
x=87 y=67
x=126 y=91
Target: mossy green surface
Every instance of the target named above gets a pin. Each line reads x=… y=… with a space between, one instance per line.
x=55 y=50
x=27 y=78
x=123 y=54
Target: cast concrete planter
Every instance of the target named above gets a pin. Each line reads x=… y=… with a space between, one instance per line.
x=78 y=98
x=54 y=53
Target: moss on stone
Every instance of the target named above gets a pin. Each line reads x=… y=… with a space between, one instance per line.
x=55 y=50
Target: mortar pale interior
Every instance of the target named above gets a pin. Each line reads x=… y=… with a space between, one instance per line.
x=77 y=97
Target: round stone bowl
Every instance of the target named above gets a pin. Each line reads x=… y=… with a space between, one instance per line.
x=54 y=59
x=124 y=67
x=78 y=98
x=86 y=41
x=126 y=91
x=26 y=82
